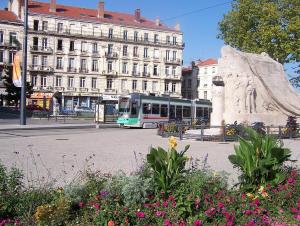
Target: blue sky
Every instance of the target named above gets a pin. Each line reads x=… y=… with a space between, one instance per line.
x=200 y=28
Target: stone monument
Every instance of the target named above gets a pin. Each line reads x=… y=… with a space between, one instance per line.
x=255 y=90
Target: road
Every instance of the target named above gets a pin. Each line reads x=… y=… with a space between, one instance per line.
x=61 y=155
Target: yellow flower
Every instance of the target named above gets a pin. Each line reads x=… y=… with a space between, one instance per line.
x=172 y=142
x=261 y=189
x=263 y=192
x=250 y=195
x=215 y=174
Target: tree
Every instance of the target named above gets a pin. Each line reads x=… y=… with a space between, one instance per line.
x=13 y=92
x=271 y=26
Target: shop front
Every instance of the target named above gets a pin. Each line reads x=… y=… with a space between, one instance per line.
x=41 y=99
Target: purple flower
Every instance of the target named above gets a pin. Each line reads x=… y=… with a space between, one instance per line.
x=103 y=193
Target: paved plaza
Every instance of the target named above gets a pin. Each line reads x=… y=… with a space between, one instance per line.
x=62 y=153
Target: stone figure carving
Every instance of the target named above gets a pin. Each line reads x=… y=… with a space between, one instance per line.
x=250 y=100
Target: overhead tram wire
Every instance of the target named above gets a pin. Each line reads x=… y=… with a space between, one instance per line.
x=196 y=11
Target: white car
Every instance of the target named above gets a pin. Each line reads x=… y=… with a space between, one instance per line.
x=83 y=109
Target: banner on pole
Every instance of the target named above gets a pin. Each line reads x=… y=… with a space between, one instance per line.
x=17 y=78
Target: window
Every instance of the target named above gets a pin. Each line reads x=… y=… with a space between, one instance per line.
x=95 y=65
x=59 y=63
x=36 y=25
x=135 y=68
x=190 y=83
x=146 y=39
x=179 y=112
x=205 y=94
x=124 y=50
x=145 y=52
x=205 y=85
x=82 y=82
x=12 y=38
x=124 y=68
x=94 y=83
x=155 y=109
x=34 y=61
x=168 y=39
x=174 y=55
x=173 y=87
x=174 y=40
x=72 y=45
x=1 y=56
x=83 y=64
x=83 y=46
x=110 y=48
x=59 y=27
x=123 y=84
x=135 y=51
x=167 y=70
x=43 y=81
x=125 y=35
x=44 y=43
x=11 y=57
x=172 y=112
x=1 y=37
x=174 y=71
x=109 y=66
x=45 y=25
x=110 y=33
x=167 y=54
x=95 y=47
x=33 y=80
x=135 y=36
x=213 y=70
x=58 y=81
x=186 y=112
x=70 y=82
x=154 y=86
x=155 y=71
x=60 y=44
x=156 y=38
x=145 y=70
x=164 y=110
x=109 y=83
x=146 y=108
x=144 y=85
x=44 y=61
x=134 y=82
x=156 y=53
x=166 y=87
x=71 y=63
x=205 y=70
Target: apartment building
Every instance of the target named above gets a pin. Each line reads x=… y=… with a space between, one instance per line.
x=197 y=79
x=79 y=54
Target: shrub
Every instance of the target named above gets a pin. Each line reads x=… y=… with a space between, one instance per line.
x=261 y=160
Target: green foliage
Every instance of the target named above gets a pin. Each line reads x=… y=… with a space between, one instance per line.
x=261 y=159
x=264 y=26
x=168 y=167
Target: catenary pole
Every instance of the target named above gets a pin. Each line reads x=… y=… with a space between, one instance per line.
x=24 y=67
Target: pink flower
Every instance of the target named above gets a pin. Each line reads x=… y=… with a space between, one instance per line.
x=220 y=205
x=171 y=198
x=243 y=196
x=294 y=210
x=157 y=204
x=291 y=180
x=140 y=214
x=210 y=212
x=160 y=213
x=298 y=217
x=250 y=223
x=198 y=223
x=248 y=212
x=167 y=223
x=173 y=204
x=165 y=203
x=298 y=204
x=96 y=206
x=181 y=223
x=81 y=204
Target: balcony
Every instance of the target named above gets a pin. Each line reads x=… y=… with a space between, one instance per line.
x=59 y=68
x=156 y=59
x=59 y=88
x=135 y=56
x=71 y=89
x=172 y=61
x=60 y=51
x=11 y=45
x=38 y=68
x=84 y=53
x=95 y=54
x=147 y=58
x=111 y=55
x=41 y=49
x=83 y=70
x=135 y=73
x=110 y=91
x=146 y=74
x=110 y=73
x=72 y=69
x=82 y=89
x=95 y=90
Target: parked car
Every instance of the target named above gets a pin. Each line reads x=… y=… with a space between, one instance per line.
x=83 y=109
x=34 y=107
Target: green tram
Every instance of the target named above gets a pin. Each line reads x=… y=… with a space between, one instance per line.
x=140 y=110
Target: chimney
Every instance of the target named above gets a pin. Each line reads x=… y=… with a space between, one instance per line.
x=101 y=9
x=52 y=8
x=157 y=21
x=177 y=27
x=137 y=15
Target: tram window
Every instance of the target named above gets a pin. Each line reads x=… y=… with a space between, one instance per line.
x=164 y=110
x=146 y=108
x=186 y=112
x=134 y=108
x=199 y=112
x=179 y=112
x=155 y=109
x=172 y=112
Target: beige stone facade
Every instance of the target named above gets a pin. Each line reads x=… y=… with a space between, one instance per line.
x=83 y=57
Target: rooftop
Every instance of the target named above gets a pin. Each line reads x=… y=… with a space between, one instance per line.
x=8 y=16
x=207 y=62
x=78 y=13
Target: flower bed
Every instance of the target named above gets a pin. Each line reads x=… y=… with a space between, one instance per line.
x=169 y=189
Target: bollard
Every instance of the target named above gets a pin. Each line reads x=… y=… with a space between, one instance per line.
x=180 y=131
x=202 y=132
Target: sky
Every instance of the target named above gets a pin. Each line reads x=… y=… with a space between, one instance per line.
x=199 y=28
